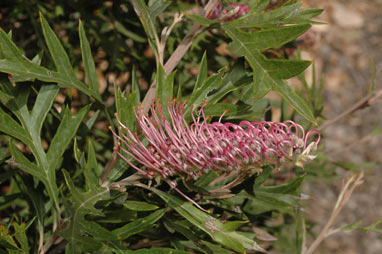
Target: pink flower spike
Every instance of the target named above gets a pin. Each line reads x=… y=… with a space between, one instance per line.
x=189 y=150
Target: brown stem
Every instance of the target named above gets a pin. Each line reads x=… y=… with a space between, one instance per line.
x=347 y=189
x=364 y=102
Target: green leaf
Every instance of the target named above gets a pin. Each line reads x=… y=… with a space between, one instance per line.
x=265 y=19
x=156 y=250
x=57 y=51
x=208 y=224
x=157 y=7
x=143 y=13
x=64 y=135
x=302 y=16
x=264 y=39
x=164 y=88
x=125 y=108
x=376 y=226
x=129 y=34
x=27 y=166
x=202 y=74
x=231 y=110
x=61 y=59
x=21 y=237
x=352 y=225
x=269 y=74
x=201 y=20
x=91 y=169
x=139 y=206
x=289 y=187
x=15 y=99
x=87 y=59
x=12 y=128
x=44 y=174
x=78 y=228
x=7 y=241
x=14 y=63
x=235 y=79
x=135 y=86
x=139 y=225
x=26 y=185
x=44 y=102
x=211 y=83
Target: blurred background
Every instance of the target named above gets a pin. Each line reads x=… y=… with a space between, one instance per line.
x=347 y=52
x=346 y=49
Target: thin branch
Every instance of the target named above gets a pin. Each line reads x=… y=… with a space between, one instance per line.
x=178 y=54
x=351 y=145
x=347 y=189
x=364 y=102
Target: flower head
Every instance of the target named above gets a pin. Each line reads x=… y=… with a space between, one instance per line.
x=226 y=15
x=176 y=148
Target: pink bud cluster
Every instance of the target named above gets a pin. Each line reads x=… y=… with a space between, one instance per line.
x=176 y=148
x=226 y=15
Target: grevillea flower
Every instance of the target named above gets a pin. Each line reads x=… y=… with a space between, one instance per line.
x=226 y=15
x=177 y=148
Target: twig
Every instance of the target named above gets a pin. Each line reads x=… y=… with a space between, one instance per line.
x=364 y=102
x=356 y=143
x=347 y=189
x=178 y=54
x=165 y=34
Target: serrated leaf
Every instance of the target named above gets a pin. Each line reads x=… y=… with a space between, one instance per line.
x=15 y=99
x=269 y=74
x=61 y=59
x=198 y=95
x=352 y=225
x=10 y=127
x=202 y=73
x=26 y=165
x=91 y=169
x=157 y=7
x=64 y=135
x=265 y=19
x=90 y=122
x=81 y=204
x=7 y=241
x=289 y=187
x=156 y=250
x=302 y=16
x=14 y=63
x=143 y=13
x=231 y=109
x=201 y=20
x=21 y=237
x=235 y=79
x=139 y=225
x=139 y=206
x=56 y=50
x=164 y=89
x=44 y=102
x=125 y=108
x=135 y=86
x=87 y=59
x=376 y=226
x=263 y=39
x=44 y=174
x=215 y=249
x=37 y=200
x=207 y=223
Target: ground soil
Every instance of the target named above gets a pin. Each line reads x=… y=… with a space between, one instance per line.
x=346 y=51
